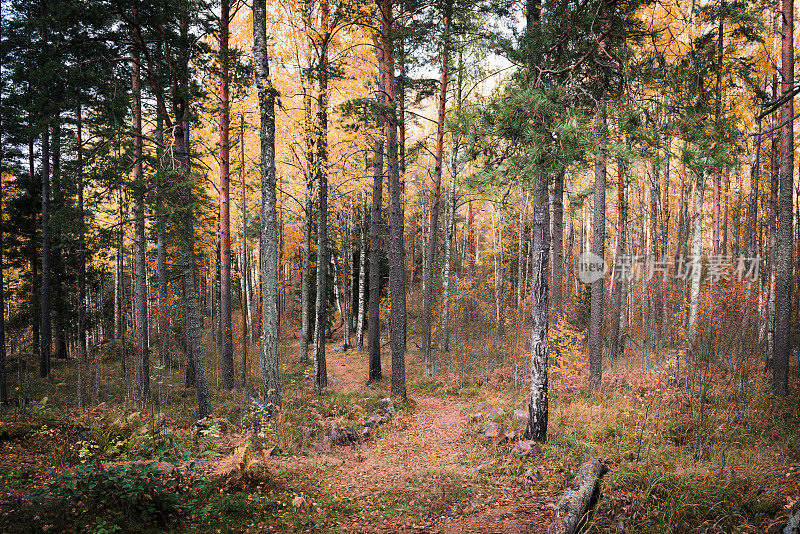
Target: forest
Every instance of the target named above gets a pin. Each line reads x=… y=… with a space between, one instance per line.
x=399 y=266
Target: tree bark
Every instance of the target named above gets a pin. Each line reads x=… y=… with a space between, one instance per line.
x=574 y=505
x=362 y=265
x=269 y=230
x=82 y=335
x=34 y=256
x=497 y=228
x=245 y=266
x=310 y=175
x=373 y=320
x=752 y=202
x=569 y=261
x=617 y=341
x=3 y=386
x=726 y=187
x=320 y=367
x=191 y=306
x=471 y=244
x=161 y=250
x=665 y=214
x=347 y=315
x=538 y=406
x=717 y=175
x=448 y=247
x=697 y=243
x=653 y=332
x=224 y=202
x=785 y=235
x=521 y=251
x=44 y=301
x=119 y=295
x=396 y=252
x=58 y=203
x=773 y=228
x=598 y=248
x=558 y=244
x=139 y=240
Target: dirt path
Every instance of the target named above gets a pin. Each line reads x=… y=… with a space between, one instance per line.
x=423 y=471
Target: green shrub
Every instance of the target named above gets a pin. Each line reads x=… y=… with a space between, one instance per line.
x=120 y=498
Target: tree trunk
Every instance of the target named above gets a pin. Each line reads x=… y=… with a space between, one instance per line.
x=44 y=302
x=617 y=341
x=58 y=201
x=773 y=229
x=161 y=250
x=653 y=332
x=598 y=248
x=336 y=295
x=520 y=251
x=697 y=243
x=310 y=175
x=752 y=203
x=347 y=315
x=665 y=215
x=119 y=281
x=82 y=336
x=3 y=386
x=785 y=241
x=396 y=252
x=362 y=265
x=245 y=267
x=726 y=187
x=139 y=241
x=448 y=246
x=320 y=367
x=497 y=227
x=224 y=202
x=305 y=274
x=433 y=226
x=373 y=326
x=213 y=302
x=569 y=258
x=34 y=256
x=269 y=230
x=538 y=407
x=451 y=221
x=191 y=306
x=558 y=244
x=717 y=176
x=665 y=200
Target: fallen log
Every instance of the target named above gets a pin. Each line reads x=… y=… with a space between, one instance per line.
x=573 y=506
x=793 y=525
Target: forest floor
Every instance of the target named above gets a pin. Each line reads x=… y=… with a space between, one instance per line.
x=427 y=469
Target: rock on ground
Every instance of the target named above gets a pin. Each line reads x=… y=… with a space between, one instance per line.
x=338 y=436
x=494 y=433
x=375 y=420
x=386 y=406
x=527 y=448
x=519 y=416
x=533 y=475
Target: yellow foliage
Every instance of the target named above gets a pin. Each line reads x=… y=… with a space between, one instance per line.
x=567 y=356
